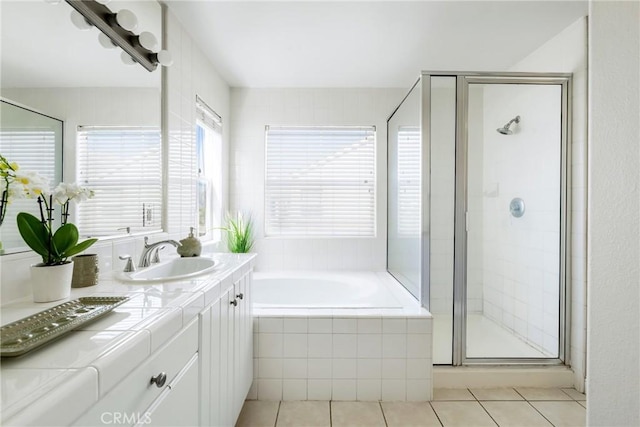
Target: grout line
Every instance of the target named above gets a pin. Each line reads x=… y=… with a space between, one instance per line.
x=487 y=412
x=521 y=395
x=434 y=411
x=330 y=415
x=278 y=413
x=541 y=414
x=474 y=396
x=383 y=415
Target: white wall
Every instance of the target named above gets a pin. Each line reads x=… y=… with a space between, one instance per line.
x=613 y=333
x=567 y=52
x=251 y=110
x=191 y=74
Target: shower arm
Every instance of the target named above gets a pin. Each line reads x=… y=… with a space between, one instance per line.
x=515 y=119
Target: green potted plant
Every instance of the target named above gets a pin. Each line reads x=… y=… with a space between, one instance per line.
x=239 y=233
x=51 y=279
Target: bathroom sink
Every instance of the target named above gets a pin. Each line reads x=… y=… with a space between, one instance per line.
x=175 y=269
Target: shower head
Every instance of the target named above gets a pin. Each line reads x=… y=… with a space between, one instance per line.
x=505 y=129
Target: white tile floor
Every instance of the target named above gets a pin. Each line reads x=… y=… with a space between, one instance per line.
x=503 y=407
x=484 y=339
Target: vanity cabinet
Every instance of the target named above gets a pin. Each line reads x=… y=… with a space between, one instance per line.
x=161 y=391
x=187 y=361
x=226 y=342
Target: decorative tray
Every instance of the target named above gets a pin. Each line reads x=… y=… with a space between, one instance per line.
x=26 y=334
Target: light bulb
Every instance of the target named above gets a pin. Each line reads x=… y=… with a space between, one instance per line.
x=148 y=41
x=105 y=41
x=164 y=58
x=79 y=21
x=103 y=1
x=126 y=58
x=127 y=20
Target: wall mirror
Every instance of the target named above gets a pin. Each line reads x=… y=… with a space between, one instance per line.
x=111 y=112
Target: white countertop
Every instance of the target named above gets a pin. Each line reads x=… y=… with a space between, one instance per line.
x=92 y=359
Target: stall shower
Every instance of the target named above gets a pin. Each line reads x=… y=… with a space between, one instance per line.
x=477 y=213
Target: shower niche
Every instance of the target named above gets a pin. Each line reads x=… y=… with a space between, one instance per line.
x=477 y=211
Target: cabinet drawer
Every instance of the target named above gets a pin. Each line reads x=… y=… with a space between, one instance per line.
x=125 y=404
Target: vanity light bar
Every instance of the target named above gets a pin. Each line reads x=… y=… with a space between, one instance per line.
x=104 y=19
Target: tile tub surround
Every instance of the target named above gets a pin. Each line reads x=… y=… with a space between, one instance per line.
x=365 y=355
x=83 y=366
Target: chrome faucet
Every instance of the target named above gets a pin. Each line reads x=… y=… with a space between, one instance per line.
x=149 y=249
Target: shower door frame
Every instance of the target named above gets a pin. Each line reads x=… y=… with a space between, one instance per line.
x=463 y=80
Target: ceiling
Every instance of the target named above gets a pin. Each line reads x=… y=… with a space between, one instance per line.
x=367 y=43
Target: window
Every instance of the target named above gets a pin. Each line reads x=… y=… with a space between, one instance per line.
x=209 y=182
x=320 y=181
x=123 y=165
x=409 y=156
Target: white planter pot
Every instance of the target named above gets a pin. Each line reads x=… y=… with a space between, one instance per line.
x=51 y=282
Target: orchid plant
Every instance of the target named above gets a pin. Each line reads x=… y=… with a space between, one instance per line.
x=55 y=246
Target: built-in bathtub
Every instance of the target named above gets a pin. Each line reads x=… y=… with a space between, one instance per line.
x=339 y=336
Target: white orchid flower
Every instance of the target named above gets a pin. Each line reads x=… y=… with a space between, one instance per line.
x=29 y=185
x=65 y=192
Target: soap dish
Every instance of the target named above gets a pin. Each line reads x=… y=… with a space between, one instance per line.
x=24 y=335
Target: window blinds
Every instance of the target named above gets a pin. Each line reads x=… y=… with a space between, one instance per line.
x=206 y=115
x=409 y=155
x=33 y=149
x=123 y=166
x=320 y=181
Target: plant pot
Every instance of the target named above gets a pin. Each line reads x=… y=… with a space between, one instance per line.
x=51 y=282
x=85 y=270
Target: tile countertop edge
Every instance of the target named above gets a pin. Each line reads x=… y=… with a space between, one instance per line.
x=75 y=391
x=139 y=342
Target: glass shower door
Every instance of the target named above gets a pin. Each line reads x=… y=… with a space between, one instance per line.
x=513 y=220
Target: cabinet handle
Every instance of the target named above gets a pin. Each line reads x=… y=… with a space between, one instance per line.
x=159 y=379
x=234 y=302
x=240 y=295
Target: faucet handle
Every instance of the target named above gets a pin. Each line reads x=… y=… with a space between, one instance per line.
x=129 y=267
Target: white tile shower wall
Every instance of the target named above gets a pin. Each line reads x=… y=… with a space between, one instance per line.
x=251 y=110
x=567 y=52
x=521 y=255
x=191 y=74
x=342 y=358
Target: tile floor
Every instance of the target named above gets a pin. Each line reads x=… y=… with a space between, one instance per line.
x=519 y=407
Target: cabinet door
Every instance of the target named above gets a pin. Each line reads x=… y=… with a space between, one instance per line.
x=205 y=365
x=213 y=381
x=178 y=404
x=237 y=341
x=225 y=364
x=247 y=348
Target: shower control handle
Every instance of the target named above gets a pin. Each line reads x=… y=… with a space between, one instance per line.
x=516 y=207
